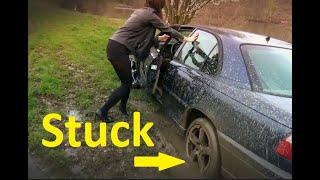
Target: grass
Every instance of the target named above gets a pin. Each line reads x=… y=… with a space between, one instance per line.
x=68 y=70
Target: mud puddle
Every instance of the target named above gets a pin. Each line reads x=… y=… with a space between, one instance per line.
x=42 y=169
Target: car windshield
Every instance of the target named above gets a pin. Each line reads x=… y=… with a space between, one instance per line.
x=273 y=68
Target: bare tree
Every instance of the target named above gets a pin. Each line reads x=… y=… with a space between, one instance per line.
x=182 y=11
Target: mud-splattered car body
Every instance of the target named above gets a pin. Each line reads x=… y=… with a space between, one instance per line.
x=249 y=123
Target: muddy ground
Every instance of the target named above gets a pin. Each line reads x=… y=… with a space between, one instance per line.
x=167 y=139
x=68 y=73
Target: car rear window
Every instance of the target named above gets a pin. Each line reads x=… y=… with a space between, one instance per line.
x=272 y=67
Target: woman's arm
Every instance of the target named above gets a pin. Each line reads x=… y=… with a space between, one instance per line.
x=159 y=24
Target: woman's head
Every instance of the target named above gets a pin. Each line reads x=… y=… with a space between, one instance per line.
x=157 y=5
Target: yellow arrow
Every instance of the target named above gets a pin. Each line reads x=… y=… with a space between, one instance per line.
x=162 y=161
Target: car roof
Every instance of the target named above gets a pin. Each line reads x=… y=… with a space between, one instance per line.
x=234 y=69
x=242 y=37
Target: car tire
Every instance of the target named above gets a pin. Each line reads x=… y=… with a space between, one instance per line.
x=202 y=147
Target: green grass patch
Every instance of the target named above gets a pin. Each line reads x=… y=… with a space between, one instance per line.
x=68 y=68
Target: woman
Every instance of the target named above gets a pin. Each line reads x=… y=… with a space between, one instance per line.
x=136 y=37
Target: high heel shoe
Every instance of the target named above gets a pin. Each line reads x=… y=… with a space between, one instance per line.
x=123 y=110
x=99 y=116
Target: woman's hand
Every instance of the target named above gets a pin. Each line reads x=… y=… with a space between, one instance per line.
x=192 y=38
x=163 y=38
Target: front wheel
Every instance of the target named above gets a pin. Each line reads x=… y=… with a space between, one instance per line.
x=202 y=147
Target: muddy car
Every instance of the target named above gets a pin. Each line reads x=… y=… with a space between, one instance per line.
x=230 y=92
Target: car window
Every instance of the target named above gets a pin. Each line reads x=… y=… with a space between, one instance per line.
x=273 y=68
x=211 y=65
x=184 y=33
x=196 y=57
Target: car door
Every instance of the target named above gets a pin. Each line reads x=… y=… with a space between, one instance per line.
x=183 y=78
x=149 y=69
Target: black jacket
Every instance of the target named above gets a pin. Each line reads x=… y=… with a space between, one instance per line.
x=138 y=33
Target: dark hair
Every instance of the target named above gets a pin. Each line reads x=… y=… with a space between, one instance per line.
x=157 y=5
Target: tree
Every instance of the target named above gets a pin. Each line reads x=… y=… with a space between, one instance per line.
x=182 y=11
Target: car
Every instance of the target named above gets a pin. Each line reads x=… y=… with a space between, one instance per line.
x=230 y=93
